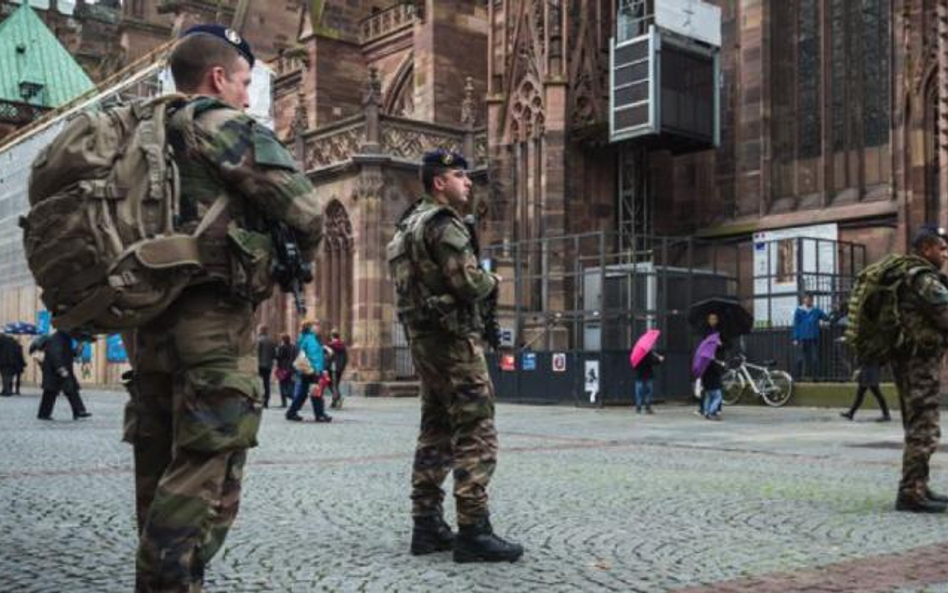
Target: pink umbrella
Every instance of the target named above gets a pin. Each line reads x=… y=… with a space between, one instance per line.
x=643 y=346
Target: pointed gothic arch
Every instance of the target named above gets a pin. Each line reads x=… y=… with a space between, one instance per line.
x=334 y=268
x=400 y=96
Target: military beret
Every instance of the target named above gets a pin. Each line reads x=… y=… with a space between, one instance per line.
x=444 y=158
x=927 y=231
x=228 y=35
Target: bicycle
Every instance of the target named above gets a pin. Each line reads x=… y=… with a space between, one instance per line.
x=773 y=386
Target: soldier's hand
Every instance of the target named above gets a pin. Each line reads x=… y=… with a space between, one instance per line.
x=497 y=277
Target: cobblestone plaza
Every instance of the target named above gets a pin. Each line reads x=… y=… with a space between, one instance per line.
x=603 y=500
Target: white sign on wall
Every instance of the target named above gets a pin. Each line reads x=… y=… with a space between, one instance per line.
x=591 y=379
x=788 y=262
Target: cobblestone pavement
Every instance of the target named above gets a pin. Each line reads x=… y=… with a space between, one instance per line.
x=603 y=500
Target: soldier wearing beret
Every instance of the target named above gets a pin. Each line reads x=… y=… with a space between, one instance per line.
x=923 y=303
x=195 y=401
x=439 y=291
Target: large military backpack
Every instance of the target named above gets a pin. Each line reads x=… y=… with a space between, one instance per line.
x=875 y=330
x=99 y=236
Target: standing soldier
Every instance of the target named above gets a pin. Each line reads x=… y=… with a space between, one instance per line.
x=924 y=312
x=440 y=290
x=195 y=393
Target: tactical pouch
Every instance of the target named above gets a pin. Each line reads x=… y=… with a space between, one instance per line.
x=132 y=413
x=213 y=419
x=251 y=264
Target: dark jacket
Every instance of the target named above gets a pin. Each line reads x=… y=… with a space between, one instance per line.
x=339 y=355
x=646 y=368
x=285 y=355
x=711 y=378
x=11 y=355
x=266 y=352
x=58 y=357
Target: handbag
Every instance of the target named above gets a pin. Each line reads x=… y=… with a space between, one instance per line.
x=302 y=364
x=698 y=388
x=283 y=374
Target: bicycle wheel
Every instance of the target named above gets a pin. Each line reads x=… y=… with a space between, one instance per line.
x=778 y=392
x=732 y=387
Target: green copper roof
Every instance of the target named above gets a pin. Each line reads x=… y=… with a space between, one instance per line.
x=34 y=67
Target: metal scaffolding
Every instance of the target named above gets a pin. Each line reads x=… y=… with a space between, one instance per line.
x=17 y=153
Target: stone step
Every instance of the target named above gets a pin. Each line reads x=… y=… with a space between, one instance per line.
x=385 y=388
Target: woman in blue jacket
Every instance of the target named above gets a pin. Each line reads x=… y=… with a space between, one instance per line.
x=310 y=345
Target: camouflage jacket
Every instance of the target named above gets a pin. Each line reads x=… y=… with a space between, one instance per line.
x=438 y=281
x=220 y=150
x=924 y=309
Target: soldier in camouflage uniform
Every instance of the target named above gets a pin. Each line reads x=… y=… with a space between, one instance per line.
x=195 y=395
x=924 y=309
x=440 y=289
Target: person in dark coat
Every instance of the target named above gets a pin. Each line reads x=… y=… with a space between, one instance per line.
x=12 y=364
x=58 y=376
x=266 y=353
x=336 y=367
x=286 y=353
x=644 y=383
x=870 y=375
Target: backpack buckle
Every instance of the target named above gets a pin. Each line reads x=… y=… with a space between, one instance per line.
x=122 y=279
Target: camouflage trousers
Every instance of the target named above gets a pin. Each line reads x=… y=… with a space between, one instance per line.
x=917 y=381
x=193 y=413
x=457 y=426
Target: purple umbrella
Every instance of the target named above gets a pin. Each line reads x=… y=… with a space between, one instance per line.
x=705 y=354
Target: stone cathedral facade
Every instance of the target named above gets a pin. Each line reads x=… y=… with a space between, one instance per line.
x=831 y=111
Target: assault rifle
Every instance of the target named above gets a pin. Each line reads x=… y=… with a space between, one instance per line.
x=289 y=269
x=488 y=308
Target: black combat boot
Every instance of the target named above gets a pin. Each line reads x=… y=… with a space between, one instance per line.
x=913 y=504
x=477 y=543
x=934 y=496
x=431 y=534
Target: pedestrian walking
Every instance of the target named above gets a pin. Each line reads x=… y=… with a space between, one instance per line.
x=58 y=376
x=709 y=368
x=313 y=365
x=266 y=354
x=868 y=376
x=441 y=291
x=337 y=367
x=806 y=337
x=644 y=381
x=12 y=364
x=711 y=326
x=285 y=355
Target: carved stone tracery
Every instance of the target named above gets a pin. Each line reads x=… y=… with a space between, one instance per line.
x=335 y=269
x=400 y=96
x=334 y=147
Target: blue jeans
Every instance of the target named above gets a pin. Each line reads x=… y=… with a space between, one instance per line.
x=643 y=393
x=300 y=393
x=712 y=401
x=808 y=358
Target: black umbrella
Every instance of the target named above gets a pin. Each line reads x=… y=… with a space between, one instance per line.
x=734 y=320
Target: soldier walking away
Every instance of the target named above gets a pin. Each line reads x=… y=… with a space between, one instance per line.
x=195 y=404
x=58 y=375
x=266 y=353
x=924 y=314
x=440 y=293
